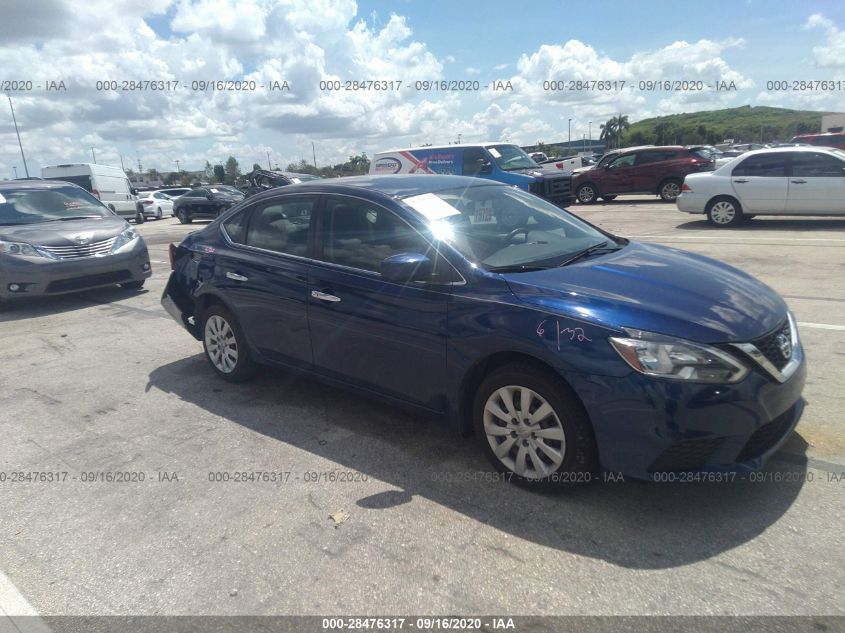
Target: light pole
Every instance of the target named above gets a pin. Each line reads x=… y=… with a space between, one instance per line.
x=15 y=167
x=268 y=161
x=23 y=158
x=590 y=128
x=93 y=155
x=569 y=137
x=178 y=171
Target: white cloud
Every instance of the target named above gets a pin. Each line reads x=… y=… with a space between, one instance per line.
x=832 y=53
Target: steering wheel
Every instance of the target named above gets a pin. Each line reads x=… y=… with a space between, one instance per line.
x=517 y=231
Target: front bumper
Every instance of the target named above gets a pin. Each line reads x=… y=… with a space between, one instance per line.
x=37 y=277
x=645 y=427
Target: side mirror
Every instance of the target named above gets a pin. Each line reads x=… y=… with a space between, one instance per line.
x=133 y=191
x=209 y=196
x=405 y=267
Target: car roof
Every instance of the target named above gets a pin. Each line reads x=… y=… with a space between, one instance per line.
x=34 y=184
x=447 y=146
x=794 y=149
x=392 y=186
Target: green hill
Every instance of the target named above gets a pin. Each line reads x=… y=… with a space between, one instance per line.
x=745 y=124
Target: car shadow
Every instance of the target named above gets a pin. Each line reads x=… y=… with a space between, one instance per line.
x=33 y=307
x=769 y=223
x=635 y=524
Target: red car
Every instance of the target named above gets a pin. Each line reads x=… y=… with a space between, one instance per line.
x=828 y=139
x=658 y=170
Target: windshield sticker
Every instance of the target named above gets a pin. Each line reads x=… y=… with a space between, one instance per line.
x=72 y=204
x=494 y=152
x=573 y=334
x=214 y=190
x=431 y=206
x=2 y=199
x=483 y=212
x=295 y=181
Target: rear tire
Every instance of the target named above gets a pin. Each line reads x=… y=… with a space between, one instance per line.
x=159 y=214
x=724 y=212
x=551 y=441
x=225 y=345
x=669 y=190
x=587 y=193
x=139 y=217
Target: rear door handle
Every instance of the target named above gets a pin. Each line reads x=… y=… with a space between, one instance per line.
x=740 y=180
x=324 y=296
x=236 y=276
x=798 y=182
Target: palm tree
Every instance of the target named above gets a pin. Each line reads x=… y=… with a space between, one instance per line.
x=622 y=126
x=608 y=132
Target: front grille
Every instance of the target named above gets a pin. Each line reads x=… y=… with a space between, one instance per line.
x=766 y=436
x=557 y=187
x=89 y=281
x=770 y=347
x=687 y=455
x=75 y=251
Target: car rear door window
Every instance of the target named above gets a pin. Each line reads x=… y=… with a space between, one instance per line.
x=769 y=165
x=282 y=226
x=812 y=165
x=654 y=157
x=474 y=160
x=360 y=234
x=235 y=227
x=623 y=161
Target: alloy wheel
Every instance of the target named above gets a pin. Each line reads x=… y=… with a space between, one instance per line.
x=670 y=191
x=524 y=432
x=221 y=344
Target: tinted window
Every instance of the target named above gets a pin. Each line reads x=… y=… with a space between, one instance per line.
x=82 y=181
x=816 y=165
x=474 y=159
x=623 y=161
x=654 y=157
x=281 y=226
x=196 y=193
x=235 y=227
x=360 y=234
x=27 y=206
x=771 y=165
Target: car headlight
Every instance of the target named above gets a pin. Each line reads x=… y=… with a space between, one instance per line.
x=124 y=238
x=22 y=249
x=676 y=359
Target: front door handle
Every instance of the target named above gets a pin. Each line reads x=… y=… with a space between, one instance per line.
x=798 y=182
x=324 y=296
x=236 y=277
x=740 y=180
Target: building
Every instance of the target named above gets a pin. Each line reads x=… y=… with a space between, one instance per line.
x=833 y=122
x=580 y=146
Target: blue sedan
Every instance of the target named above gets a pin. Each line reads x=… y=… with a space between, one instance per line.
x=564 y=349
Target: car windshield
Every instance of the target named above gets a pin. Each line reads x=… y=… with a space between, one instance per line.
x=29 y=206
x=501 y=227
x=227 y=190
x=510 y=157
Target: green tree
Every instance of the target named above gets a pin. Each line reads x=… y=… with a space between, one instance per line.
x=256 y=166
x=184 y=178
x=232 y=170
x=152 y=174
x=209 y=171
x=219 y=173
x=171 y=179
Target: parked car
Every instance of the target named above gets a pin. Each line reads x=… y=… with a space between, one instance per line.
x=501 y=162
x=205 y=202
x=108 y=184
x=549 y=338
x=260 y=180
x=798 y=180
x=657 y=170
x=155 y=204
x=55 y=238
x=175 y=192
x=827 y=139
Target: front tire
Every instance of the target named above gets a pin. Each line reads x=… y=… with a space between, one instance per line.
x=724 y=212
x=225 y=345
x=159 y=214
x=608 y=198
x=184 y=218
x=669 y=190
x=133 y=285
x=533 y=428
x=587 y=193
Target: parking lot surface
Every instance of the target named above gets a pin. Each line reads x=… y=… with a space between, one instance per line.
x=358 y=507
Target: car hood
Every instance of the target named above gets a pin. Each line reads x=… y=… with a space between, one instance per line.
x=657 y=289
x=62 y=233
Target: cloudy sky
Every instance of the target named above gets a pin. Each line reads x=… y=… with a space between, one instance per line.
x=304 y=42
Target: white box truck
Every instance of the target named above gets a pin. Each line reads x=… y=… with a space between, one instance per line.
x=109 y=184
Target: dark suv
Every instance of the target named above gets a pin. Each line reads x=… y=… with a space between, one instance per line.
x=205 y=202
x=656 y=170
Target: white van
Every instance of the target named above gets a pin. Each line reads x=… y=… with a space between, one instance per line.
x=109 y=184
